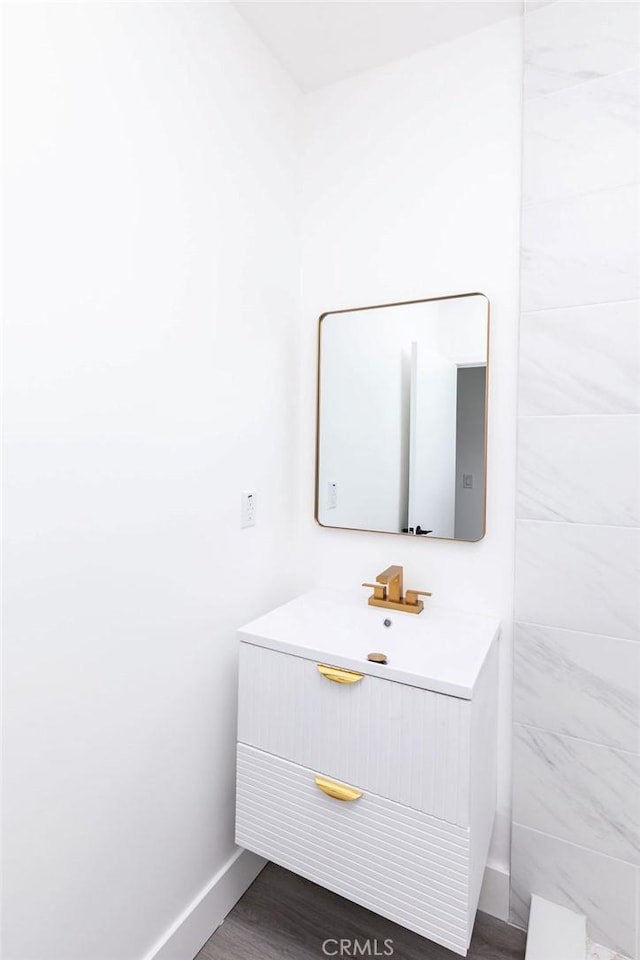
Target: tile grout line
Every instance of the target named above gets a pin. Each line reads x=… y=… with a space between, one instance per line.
x=578 y=846
x=572 y=86
x=577 y=416
x=581 y=306
x=569 y=197
x=570 y=736
x=571 y=523
x=579 y=523
x=548 y=626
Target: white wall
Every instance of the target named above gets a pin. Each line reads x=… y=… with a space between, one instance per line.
x=150 y=345
x=411 y=188
x=462 y=329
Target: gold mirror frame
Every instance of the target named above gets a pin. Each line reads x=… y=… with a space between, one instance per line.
x=381 y=306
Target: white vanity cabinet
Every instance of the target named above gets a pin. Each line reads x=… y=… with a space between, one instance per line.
x=375 y=780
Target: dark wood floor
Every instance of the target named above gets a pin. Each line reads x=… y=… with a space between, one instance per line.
x=283 y=917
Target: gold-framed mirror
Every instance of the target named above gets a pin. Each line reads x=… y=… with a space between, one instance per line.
x=401 y=433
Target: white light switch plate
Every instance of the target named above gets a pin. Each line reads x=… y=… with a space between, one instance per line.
x=248 y=510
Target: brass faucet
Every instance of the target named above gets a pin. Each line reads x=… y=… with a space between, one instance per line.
x=387 y=592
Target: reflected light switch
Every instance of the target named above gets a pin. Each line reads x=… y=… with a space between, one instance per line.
x=332 y=495
x=467 y=481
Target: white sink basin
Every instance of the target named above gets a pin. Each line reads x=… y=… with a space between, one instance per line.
x=439 y=649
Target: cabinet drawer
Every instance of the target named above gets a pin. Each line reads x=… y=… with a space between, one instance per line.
x=400 y=742
x=411 y=868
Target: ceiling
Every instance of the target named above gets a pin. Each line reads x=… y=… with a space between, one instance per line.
x=321 y=42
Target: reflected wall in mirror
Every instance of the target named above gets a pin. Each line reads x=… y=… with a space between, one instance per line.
x=402 y=411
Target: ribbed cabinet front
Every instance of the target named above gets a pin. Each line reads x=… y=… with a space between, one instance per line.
x=408 y=837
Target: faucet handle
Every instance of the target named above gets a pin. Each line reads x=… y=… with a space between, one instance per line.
x=379 y=590
x=411 y=598
x=394 y=572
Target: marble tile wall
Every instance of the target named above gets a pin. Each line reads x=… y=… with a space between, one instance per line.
x=576 y=758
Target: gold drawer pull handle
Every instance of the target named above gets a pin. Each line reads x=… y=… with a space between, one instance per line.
x=338 y=674
x=337 y=790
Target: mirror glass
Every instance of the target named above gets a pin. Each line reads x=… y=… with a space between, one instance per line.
x=402 y=397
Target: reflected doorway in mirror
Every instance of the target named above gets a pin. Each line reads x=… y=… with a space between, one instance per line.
x=402 y=418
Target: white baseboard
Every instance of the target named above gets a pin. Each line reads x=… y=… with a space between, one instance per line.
x=197 y=922
x=494 y=894
x=206 y=912
x=555 y=933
